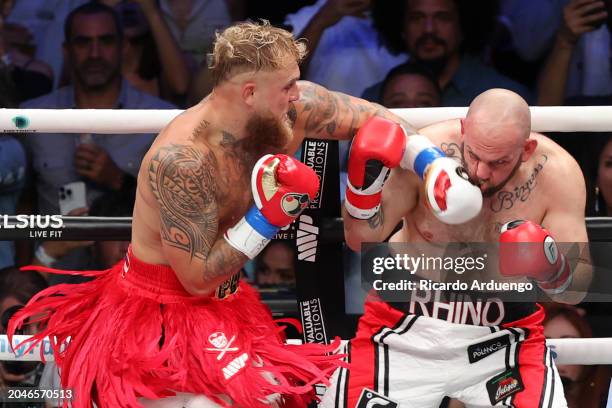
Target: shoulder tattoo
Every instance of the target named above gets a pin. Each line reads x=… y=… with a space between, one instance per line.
x=183 y=181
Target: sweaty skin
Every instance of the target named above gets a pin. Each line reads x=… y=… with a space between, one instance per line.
x=544 y=185
x=194 y=182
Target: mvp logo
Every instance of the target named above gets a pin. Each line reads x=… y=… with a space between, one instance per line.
x=307 y=239
x=235 y=365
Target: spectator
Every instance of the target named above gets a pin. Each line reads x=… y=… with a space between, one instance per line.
x=345 y=52
x=410 y=85
x=104 y=254
x=271 y=10
x=93 y=49
x=44 y=19
x=16 y=289
x=532 y=25
x=152 y=60
x=600 y=191
x=584 y=386
x=580 y=61
x=441 y=35
x=22 y=76
x=275 y=266
x=193 y=23
x=12 y=178
x=106 y=162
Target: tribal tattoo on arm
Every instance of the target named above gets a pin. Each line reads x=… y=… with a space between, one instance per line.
x=331 y=115
x=183 y=180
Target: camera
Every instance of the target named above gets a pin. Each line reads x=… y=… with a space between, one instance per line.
x=17 y=367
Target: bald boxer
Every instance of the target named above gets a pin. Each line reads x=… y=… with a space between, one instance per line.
x=213 y=189
x=477 y=349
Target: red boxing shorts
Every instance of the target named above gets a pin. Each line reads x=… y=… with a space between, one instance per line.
x=133 y=331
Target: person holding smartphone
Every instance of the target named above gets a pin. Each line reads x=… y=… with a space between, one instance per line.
x=70 y=171
x=579 y=63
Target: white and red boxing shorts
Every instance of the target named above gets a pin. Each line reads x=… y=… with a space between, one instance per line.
x=414 y=361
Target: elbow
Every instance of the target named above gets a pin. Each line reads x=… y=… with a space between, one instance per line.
x=353 y=243
x=353 y=232
x=354 y=239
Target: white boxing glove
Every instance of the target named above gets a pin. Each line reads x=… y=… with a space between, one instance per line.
x=450 y=194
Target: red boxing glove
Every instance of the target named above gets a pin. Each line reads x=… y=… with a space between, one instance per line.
x=282 y=187
x=380 y=141
x=527 y=249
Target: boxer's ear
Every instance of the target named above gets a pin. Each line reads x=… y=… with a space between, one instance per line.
x=528 y=149
x=248 y=93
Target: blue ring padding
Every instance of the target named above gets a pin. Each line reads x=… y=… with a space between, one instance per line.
x=259 y=223
x=424 y=158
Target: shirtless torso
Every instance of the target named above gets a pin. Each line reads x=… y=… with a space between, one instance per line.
x=547 y=189
x=230 y=176
x=197 y=174
x=526 y=196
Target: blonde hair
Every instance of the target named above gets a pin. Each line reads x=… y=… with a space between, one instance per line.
x=251 y=47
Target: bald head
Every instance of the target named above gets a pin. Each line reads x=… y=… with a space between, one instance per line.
x=500 y=114
x=497 y=111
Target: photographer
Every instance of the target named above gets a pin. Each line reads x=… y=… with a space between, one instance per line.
x=16 y=289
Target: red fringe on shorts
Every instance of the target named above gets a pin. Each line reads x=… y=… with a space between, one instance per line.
x=134 y=332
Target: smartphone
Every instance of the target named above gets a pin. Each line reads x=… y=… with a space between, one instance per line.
x=71 y=196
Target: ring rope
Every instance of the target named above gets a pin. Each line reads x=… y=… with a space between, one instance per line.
x=566 y=351
x=126 y=121
x=87 y=228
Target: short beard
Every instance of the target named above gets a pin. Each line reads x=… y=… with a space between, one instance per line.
x=491 y=191
x=266 y=134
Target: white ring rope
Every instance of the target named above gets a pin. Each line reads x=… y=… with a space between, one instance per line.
x=566 y=351
x=544 y=119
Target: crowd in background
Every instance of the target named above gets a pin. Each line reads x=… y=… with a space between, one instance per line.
x=152 y=54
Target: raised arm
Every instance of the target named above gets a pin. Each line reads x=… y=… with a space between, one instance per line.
x=183 y=180
x=324 y=114
x=381 y=145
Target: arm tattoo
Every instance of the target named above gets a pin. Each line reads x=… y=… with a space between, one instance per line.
x=183 y=181
x=377 y=220
x=328 y=112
